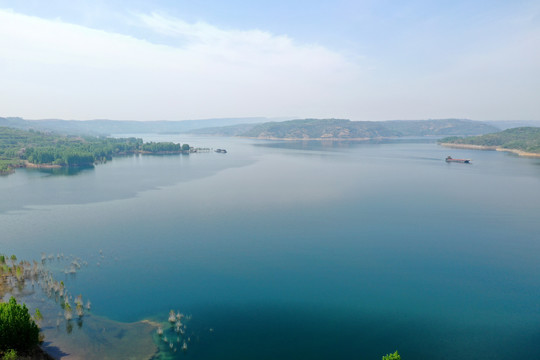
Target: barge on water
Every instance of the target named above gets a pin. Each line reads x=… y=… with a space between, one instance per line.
x=463 y=161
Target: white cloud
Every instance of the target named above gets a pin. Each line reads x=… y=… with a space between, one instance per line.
x=50 y=68
x=55 y=69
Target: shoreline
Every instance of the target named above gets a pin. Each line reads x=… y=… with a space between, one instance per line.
x=158 y=152
x=28 y=164
x=311 y=139
x=429 y=137
x=492 y=148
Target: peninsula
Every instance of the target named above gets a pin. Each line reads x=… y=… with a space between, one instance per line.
x=524 y=141
x=21 y=148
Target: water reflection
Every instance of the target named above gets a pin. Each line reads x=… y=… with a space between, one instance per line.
x=63 y=171
x=329 y=145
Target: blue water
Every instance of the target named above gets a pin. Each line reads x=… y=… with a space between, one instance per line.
x=296 y=250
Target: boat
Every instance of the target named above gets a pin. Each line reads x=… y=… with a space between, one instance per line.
x=463 y=161
x=223 y=151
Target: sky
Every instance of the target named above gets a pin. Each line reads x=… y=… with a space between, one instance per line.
x=351 y=59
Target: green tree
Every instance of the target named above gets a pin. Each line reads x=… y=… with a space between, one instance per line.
x=394 y=356
x=10 y=355
x=17 y=329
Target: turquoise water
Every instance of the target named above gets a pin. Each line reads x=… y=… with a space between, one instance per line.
x=296 y=250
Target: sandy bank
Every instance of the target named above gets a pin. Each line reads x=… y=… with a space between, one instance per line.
x=40 y=166
x=496 y=148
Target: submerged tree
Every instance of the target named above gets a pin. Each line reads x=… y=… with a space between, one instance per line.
x=172 y=317
x=68 y=311
x=79 y=309
x=38 y=316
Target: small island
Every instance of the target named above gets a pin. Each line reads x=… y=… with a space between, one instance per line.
x=524 y=141
x=21 y=148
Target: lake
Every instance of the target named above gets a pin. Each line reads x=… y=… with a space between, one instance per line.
x=291 y=250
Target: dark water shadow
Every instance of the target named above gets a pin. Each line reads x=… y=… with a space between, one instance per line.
x=53 y=351
x=63 y=171
x=304 y=332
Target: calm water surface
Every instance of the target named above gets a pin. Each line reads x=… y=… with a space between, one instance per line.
x=300 y=250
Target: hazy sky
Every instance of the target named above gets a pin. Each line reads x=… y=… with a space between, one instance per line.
x=361 y=60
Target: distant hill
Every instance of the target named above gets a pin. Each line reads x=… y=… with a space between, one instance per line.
x=509 y=124
x=346 y=129
x=109 y=127
x=231 y=130
x=260 y=127
x=320 y=129
x=521 y=139
x=440 y=127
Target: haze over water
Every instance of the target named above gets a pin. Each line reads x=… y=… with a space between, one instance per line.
x=295 y=250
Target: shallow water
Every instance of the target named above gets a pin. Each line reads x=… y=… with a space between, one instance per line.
x=299 y=249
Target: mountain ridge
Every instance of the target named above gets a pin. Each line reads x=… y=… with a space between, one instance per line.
x=346 y=129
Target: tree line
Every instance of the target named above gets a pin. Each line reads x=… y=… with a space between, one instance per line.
x=520 y=138
x=17 y=146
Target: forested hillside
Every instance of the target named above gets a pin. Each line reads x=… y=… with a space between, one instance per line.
x=320 y=129
x=522 y=138
x=108 y=127
x=346 y=129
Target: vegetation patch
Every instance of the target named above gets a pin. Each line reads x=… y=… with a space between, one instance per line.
x=525 y=139
x=392 y=356
x=18 y=331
